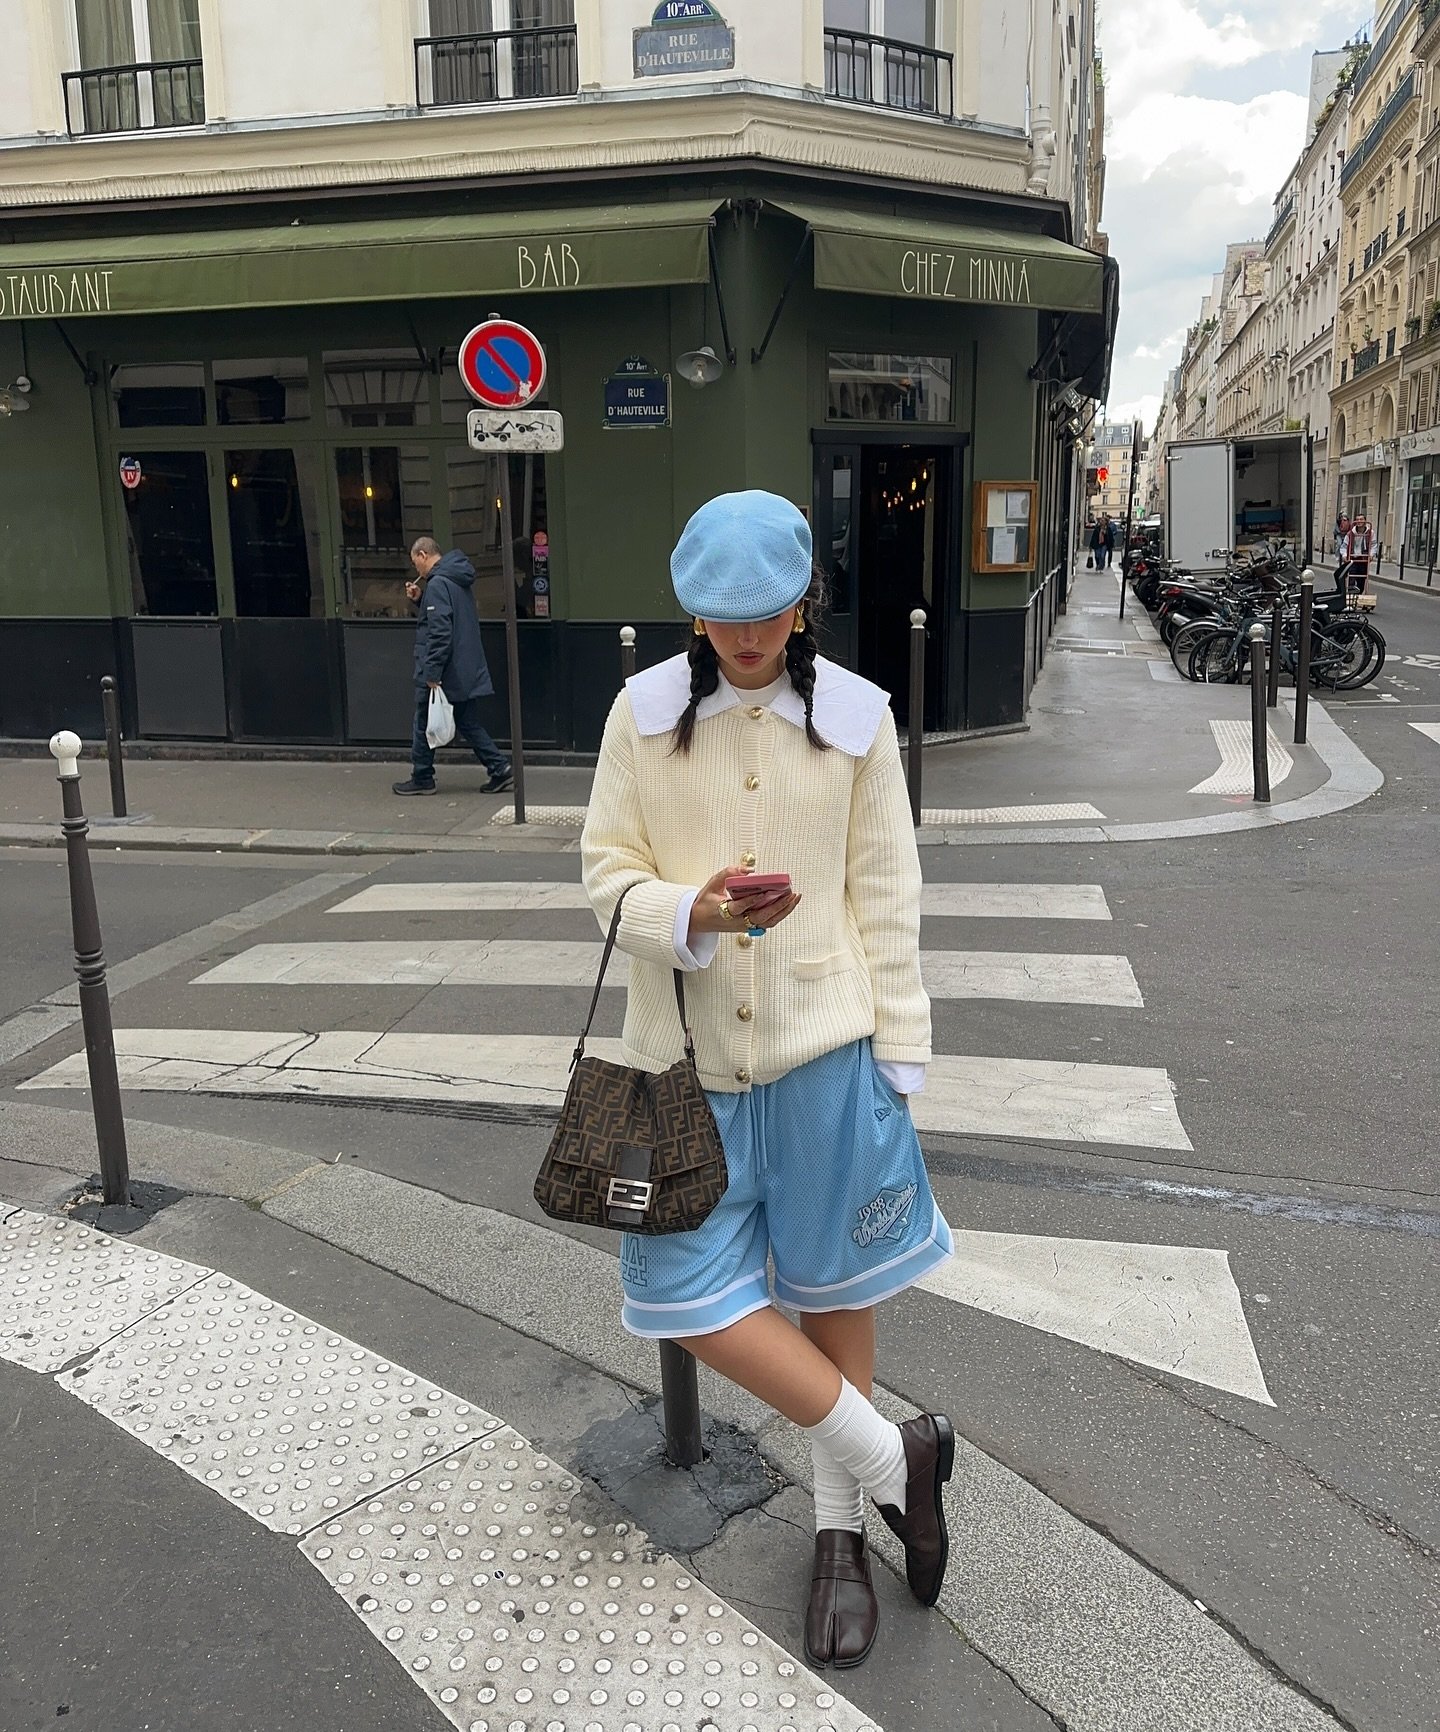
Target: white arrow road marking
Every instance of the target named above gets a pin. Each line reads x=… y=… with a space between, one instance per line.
x=985 y=1097
x=1036 y=976
x=968 y=901
x=1173 y=1307
x=376 y=1473
x=1237 y=767
x=1431 y=730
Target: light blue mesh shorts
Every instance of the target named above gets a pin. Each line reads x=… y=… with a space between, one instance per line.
x=826 y=1177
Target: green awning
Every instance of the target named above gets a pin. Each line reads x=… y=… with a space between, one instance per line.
x=869 y=253
x=397 y=258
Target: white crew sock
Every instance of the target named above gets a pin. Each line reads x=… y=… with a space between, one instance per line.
x=866 y=1445
x=839 y=1496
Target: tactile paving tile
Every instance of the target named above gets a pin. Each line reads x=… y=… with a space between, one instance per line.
x=558 y=817
x=65 y=1288
x=274 y=1412
x=514 y=1613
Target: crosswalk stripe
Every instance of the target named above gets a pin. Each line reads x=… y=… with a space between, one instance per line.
x=1014 y=1098
x=967 y=901
x=1036 y=976
x=1237 y=769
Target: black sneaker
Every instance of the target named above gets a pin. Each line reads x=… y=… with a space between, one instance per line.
x=499 y=783
x=412 y=787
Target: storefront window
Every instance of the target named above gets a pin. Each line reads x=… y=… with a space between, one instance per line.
x=473 y=480
x=159 y=396
x=167 y=531
x=386 y=501
x=262 y=393
x=867 y=387
x=274 y=534
x=1422 y=524
x=376 y=388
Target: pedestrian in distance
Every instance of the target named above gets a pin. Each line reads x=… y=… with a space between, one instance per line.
x=811 y=1026
x=1355 y=551
x=448 y=655
x=1102 y=541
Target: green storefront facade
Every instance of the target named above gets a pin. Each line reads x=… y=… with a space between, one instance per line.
x=238 y=426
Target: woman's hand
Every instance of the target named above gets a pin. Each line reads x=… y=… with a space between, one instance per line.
x=755 y=910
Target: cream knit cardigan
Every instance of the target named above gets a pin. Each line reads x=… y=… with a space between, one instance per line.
x=753 y=790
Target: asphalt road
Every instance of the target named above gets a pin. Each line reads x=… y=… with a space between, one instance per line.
x=1290 y=990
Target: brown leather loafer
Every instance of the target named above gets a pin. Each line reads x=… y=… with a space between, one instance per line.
x=930 y=1458
x=843 y=1617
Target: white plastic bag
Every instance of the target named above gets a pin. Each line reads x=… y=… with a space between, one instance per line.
x=440 y=723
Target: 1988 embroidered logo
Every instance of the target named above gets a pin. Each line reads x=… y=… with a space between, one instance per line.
x=885 y=1216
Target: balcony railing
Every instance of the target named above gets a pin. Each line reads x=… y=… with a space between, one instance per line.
x=889 y=73
x=1377 y=249
x=1372 y=60
x=139 y=98
x=495 y=66
x=1404 y=93
x=1366 y=358
x=1282 y=216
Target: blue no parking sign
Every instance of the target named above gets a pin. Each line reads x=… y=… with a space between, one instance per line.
x=502 y=364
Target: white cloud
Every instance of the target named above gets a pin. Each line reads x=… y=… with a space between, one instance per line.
x=1188 y=172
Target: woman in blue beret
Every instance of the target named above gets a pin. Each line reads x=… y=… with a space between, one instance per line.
x=752 y=754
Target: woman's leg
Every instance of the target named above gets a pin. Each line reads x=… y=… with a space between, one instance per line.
x=847 y=1339
x=767 y=1354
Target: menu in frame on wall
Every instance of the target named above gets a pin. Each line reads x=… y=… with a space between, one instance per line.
x=1004 y=518
x=684 y=36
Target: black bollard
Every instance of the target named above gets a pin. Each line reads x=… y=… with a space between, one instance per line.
x=916 y=724
x=627 y=653
x=1302 y=654
x=1259 y=740
x=116 y=763
x=90 y=969
x=1272 y=688
x=680 y=1395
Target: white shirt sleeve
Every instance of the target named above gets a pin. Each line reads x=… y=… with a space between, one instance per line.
x=905 y=1079
x=689 y=958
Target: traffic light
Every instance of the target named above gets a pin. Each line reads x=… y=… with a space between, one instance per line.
x=1102 y=474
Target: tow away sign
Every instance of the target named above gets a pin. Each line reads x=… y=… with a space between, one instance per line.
x=515 y=430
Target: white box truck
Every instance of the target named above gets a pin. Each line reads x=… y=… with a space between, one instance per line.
x=1224 y=494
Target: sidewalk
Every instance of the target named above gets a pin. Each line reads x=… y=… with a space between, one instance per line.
x=1118 y=748
x=263 y=1268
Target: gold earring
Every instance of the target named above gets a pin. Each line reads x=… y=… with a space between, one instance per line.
x=799 y=625
x=700 y=628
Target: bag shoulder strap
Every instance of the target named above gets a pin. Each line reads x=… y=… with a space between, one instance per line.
x=610 y=938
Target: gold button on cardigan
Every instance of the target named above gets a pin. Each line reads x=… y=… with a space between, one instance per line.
x=846 y=964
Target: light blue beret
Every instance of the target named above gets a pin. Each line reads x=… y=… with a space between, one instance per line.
x=742 y=556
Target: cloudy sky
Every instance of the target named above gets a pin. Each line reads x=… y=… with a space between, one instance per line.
x=1206 y=106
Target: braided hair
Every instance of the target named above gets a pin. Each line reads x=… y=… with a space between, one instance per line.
x=801 y=648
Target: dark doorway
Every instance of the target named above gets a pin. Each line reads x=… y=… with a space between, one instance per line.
x=886 y=533
x=274 y=534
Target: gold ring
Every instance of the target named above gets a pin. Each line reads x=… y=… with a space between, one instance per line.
x=727 y=911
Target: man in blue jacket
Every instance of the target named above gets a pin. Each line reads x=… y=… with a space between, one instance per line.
x=449 y=654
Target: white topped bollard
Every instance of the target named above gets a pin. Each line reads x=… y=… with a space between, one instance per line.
x=1302 y=654
x=65 y=748
x=627 y=652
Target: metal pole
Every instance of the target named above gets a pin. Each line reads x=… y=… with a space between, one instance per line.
x=1272 y=688
x=680 y=1398
x=1302 y=657
x=1259 y=741
x=1129 y=512
x=112 y=747
x=90 y=969
x=512 y=642
x=916 y=724
x=627 y=652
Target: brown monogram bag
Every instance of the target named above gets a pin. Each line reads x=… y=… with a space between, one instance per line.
x=635 y=1150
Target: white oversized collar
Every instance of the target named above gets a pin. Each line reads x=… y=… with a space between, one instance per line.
x=848 y=710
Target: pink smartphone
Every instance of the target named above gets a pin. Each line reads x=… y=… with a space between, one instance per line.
x=773 y=884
